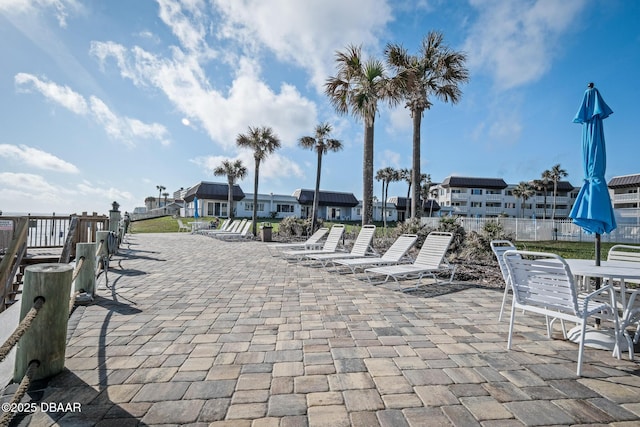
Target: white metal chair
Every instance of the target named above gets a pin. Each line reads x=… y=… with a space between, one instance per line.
x=243 y=233
x=182 y=226
x=543 y=283
x=361 y=247
x=499 y=247
x=394 y=255
x=429 y=262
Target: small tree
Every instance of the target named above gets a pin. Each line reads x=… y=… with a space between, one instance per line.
x=386 y=175
x=523 y=191
x=234 y=171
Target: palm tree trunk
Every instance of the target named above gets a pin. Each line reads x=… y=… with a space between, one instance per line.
x=544 y=211
x=415 y=179
x=255 y=200
x=316 y=194
x=367 y=175
x=385 y=195
x=555 y=191
x=229 y=199
x=407 y=208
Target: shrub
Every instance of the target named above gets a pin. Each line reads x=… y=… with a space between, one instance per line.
x=478 y=245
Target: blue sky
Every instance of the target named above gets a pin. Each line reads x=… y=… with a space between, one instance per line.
x=103 y=101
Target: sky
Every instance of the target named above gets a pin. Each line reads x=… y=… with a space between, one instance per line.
x=103 y=101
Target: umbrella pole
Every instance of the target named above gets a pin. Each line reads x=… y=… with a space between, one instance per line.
x=598 y=279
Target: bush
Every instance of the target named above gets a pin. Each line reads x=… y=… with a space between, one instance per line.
x=294 y=227
x=478 y=245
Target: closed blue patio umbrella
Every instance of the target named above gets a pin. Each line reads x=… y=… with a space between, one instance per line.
x=195 y=208
x=592 y=209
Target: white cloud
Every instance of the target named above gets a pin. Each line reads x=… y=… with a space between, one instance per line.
x=62 y=95
x=87 y=188
x=30 y=183
x=516 y=41
x=304 y=33
x=390 y=158
x=126 y=129
x=275 y=166
x=36 y=158
x=60 y=8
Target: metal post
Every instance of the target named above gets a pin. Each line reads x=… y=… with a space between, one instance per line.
x=45 y=340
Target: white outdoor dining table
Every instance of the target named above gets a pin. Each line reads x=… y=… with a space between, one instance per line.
x=619 y=271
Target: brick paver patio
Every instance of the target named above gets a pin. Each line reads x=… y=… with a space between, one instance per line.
x=196 y=331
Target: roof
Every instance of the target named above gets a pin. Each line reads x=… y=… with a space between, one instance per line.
x=470 y=182
x=213 y=191
x=562 y=186
x=402 y=202
x=326 y=198
x=625 y=181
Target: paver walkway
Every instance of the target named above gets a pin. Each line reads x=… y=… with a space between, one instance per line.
x=197 y=331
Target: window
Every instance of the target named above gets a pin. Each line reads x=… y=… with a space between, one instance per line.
x=508 y=192
x=476 y=191
x=493 y=192
x=248 y=206
x=285 y=208
x=457 y=191
x=493 y=204
x=476 y=204
x=357 y=211
x=510 y=205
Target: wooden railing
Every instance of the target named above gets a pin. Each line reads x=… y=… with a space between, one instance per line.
x=20 y=234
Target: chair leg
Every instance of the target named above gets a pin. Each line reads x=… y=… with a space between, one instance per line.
x=511 y=322
x=583 y=330
x=504 y=300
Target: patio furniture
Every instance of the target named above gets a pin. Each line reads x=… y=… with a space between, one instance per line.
x=429 y=262
x=242 y=234
x=394 y=255
x=361 y=247
x=499 y=247
x=182 y=226
x=544 y=284
x=313 y=242
x=234 y=227
x=330 y=245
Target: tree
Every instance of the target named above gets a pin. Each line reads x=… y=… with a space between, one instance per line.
x=557 y=173
x=523 y=191
x=406 y=175
x=263 y=142
x=321 y=144
x=160 y=189
x=436 y=71
x=165 y=198
x=542 y=184
x=357 y=87
x=386 y=175
x=234 y=171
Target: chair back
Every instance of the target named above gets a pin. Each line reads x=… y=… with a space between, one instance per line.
x=363 y=241
x=628 y=253
x=543 y=280
x=434 y=249
x=315 y=237
x=237 y=225
x=225 y=224
x=246 y=228
x=399 y=248
x=333 y=239
x=499 y=247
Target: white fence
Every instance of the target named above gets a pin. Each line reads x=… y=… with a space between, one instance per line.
x=538 y=229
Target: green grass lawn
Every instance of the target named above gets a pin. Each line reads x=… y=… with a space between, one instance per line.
x=580 y=250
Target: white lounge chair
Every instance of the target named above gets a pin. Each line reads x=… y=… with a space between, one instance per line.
x=330 y=245
x=313 y=242
x=182 y=226
x=499 y=247
x=430 y=261
x=361 y=247
x=244 y=233
x=234 y=227
x=394 y=255
x=543 y=283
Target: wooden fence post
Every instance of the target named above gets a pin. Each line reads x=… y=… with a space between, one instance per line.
x=86 y=279
x=45 y=340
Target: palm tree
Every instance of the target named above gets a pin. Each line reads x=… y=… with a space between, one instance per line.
x=386 y=175
x=523 y=191
x=263 y=142
x=160 y=189
x=321 y=144
x=436 y=71
x=557 y=173
x=542 y=184
x=406 y=175
x=234 y=171
x=357 y=88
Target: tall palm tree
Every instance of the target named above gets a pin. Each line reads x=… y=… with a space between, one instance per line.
x=160 y=189
x=234 y=171
x=557 y=173
x=386 y=175
x=436 y=71
x=542 y=185
x=407 y=176
x=357 y=87
x=263 y=142
x=321 y=144
x=523 y=191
